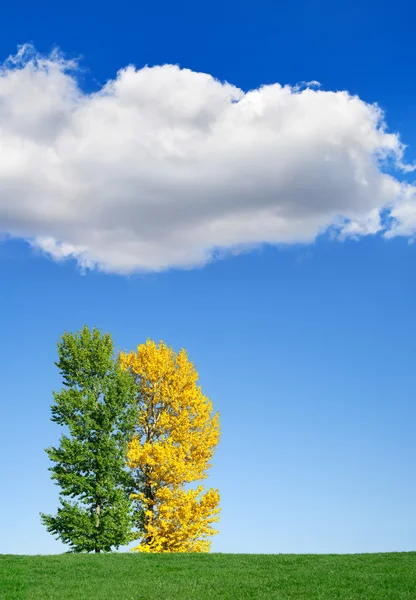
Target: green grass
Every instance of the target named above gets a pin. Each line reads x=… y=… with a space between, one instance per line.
x=206 y=576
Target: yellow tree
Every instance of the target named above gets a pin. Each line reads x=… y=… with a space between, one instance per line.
x=175 y=440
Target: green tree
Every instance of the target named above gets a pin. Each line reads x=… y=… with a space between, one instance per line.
x=97 y=408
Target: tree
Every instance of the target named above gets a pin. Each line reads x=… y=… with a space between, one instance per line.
x=175 y=439
x=97 y=407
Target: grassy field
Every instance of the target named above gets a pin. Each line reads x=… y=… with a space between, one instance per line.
x=222 y=576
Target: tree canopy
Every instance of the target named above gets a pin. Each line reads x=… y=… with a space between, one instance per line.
x=174 y=442
x=98 y=411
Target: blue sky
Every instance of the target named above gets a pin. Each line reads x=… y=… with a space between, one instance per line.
x=306 y=349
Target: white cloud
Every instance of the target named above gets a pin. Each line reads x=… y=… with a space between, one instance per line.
x=164 y=167
x=403 y=215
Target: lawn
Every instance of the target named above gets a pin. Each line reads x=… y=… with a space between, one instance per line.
x=199 y=576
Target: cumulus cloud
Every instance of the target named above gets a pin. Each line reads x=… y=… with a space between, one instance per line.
x=166 y=167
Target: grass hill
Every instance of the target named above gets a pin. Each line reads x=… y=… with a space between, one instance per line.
x=208 y=576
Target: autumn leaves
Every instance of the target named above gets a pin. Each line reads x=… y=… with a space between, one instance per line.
x=141 y=431
x=173 y=444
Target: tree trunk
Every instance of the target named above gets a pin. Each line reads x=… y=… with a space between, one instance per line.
x=150 y=497
x=97 y=522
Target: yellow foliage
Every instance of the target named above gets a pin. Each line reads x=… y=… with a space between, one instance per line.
x=175 y=440
x=182 y=521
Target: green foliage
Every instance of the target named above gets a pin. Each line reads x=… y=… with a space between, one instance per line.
x=174 y=576
x=97 y=408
